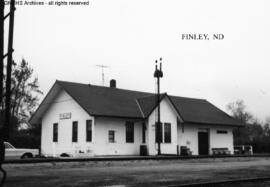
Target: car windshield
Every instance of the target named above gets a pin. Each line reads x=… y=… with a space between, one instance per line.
x=8 y=146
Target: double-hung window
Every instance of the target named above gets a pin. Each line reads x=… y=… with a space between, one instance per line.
x=75 y=131
x=129 y=132
x=167 y=133
x=111 y=136
x=55 y=132
x=88 y=130
x=160 y=134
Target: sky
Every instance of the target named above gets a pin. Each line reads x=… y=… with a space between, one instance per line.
x=67 y=42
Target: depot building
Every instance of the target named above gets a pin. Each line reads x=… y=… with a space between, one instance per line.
x=88 y=120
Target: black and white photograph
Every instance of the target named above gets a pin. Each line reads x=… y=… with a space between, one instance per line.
x=117 y=93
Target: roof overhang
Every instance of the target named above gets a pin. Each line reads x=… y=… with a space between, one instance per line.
x=162 y=97
x=45 y=104
x=121 y=117
x=217 y=124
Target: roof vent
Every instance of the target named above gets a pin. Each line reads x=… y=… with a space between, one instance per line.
x=113 y=83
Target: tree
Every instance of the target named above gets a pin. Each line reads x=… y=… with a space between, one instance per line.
x=25 y=92
x=254 y=132
x=267 y=127
x=238 y=110
x=25 y=95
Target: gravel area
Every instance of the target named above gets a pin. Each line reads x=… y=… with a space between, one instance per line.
x=135 y=173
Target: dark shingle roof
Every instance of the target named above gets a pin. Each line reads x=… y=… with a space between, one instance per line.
x=201 y=111
x=114 y=102
x=104 y=101
x=148 y=104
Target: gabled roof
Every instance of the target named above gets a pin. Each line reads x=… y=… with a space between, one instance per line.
x=148 y=104
x=114 y=102
x=201 y=111
x=105 y=101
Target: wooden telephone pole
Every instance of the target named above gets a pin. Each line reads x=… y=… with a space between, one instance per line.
x=2 y=146
x=4 y=135
x=158 y=74
x=9 y=67
x=2 y=15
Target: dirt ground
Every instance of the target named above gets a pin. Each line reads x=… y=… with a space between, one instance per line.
x=248 y=184
x=135 y=173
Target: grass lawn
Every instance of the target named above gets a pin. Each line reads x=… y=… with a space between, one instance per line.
x=136 y=173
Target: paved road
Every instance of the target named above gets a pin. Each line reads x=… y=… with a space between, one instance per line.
x=134 y=173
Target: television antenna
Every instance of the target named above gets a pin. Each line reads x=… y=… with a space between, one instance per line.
x=102 y=71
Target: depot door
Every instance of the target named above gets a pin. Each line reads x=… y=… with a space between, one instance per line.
x=203 y=143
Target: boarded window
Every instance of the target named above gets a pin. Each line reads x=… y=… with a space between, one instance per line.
x=74 y=131
x=167 y=133
x=160 y=135
x=89 y=130
x=222 y=132
x=111 y=136
x=55 y=132
x=129 y=132
x=143 y=132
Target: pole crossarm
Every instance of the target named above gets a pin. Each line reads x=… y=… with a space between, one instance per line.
x=8 y=14
x=6 y=55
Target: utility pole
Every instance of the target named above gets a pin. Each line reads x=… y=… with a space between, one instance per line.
x=102 y=70
x=158 y=74
x=2 y=15
x=9 y=67
x=2 y=146
x=4 y=134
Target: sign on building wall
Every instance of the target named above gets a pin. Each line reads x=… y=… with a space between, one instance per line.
x=65 y=116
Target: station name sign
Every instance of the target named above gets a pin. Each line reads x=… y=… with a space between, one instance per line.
x=65 y=116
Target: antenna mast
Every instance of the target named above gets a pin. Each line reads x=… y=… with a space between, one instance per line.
x=102 y=71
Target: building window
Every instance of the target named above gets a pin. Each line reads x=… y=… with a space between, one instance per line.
x=167 y=133
x=143 y=132
x=222 y=132
x=89 y=130
x=161 y=133
x=74 y=131
x=111 y=136
x=55 y=132
x=129 y=132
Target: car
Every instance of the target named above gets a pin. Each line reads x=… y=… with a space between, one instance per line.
x=13 y=153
